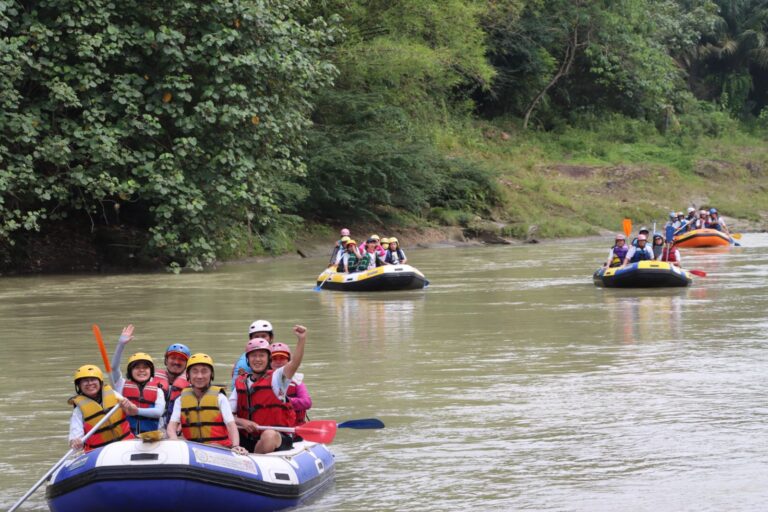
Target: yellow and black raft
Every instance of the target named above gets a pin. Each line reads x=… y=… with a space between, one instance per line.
x=643 y=274
x=379 y=279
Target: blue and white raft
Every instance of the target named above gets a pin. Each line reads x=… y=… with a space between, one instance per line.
x=643 y=274
x=176 y=475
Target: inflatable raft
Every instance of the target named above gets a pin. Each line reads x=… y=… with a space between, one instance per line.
x=177 y=475
x=702 y=238
x=384 y=278
x=644 y=274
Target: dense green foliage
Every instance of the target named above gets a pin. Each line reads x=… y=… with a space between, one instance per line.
x=211 y=125
x=187 y=114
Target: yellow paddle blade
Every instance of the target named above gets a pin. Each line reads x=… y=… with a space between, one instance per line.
x=627 y=225
x=737 y=236
x=152 y=436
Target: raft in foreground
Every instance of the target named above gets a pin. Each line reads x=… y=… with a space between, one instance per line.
x=131 y=476
x=379 y=279
x=644 y=274
x=702 y=238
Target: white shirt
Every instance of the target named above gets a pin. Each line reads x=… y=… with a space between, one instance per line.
x=633 y=249
x=226 y=410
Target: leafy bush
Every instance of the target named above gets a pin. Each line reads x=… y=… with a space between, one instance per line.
x=192 y=114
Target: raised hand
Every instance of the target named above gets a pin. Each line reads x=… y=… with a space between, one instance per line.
x=127 y=334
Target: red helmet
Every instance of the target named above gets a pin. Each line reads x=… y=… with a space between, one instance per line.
x=280 y=348
x=256 y=344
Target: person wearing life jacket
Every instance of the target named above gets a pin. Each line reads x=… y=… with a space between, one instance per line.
x=617 y=253
x=202 y=410
x=395 y=255
x=670 y=254
x=350 y=259
x=260 y=398
x=174 y=375
x=702 y=220
x=379 y=249
x=92 y=401
x=297 y=392
x=145 y=391
x=640 y=253
x=338 y=248
x=658 y=245
x=371 y=258
x=714 y=221
x=257 y=329
x=643 y=231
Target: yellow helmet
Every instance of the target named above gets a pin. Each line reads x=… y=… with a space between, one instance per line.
x=384 y=241
x=141 y=356
x=351 y=242
x=200 y=358
x=375 y=237
x=88 y=370
x=393 y=240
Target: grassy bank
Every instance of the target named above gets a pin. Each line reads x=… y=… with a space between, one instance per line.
x=577 y=182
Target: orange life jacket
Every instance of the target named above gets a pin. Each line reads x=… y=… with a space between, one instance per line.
x=116 y=428
x=201 y=420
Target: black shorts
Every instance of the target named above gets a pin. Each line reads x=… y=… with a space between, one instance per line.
x=249 y=443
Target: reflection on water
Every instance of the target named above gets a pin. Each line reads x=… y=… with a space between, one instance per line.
x=362 y=317
x=511 y=383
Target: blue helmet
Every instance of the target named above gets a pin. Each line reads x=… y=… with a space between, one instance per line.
x=672 y=215
x=178 y=348
x=712 y=210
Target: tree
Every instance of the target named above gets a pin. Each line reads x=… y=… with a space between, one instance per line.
x=189 y=114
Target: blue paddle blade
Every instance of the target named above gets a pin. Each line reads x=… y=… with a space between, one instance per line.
x=362 y=424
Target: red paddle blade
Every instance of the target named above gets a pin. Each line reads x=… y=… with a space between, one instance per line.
x=627 y=226
x=319 y=431
x=699 y=273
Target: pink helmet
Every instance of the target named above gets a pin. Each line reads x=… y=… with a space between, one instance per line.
x=256 y=344
x=642 y=238
x=281 y=348
x=344 y=232
x=621 y=237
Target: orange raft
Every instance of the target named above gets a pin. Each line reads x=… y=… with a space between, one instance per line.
x=702 y=238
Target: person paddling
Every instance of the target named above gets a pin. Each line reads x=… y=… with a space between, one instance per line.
x=640 y=253
x=260 y=397
x=145 y=391
x=91 y=403
x=202 y=409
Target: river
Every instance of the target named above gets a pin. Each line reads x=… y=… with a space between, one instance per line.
x=511 y=383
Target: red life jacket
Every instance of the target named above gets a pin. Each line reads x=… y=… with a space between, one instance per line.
x=301 y=416
x=669 y=255
x=143 y=398
x=171 y=390
x=257 y=402
x=116 y=428
x=201 y=420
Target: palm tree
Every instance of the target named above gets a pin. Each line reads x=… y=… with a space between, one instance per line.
x=728 y=58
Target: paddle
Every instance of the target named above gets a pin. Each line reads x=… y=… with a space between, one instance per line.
x=362 y=423
x=737 y=236
x=56 y=466
x=103 y=349
x=320 y=286
x=699 y=273
x=318 y=431
x=627 y=225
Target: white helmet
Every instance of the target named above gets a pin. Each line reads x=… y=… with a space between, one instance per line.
x=691 y=209
x=260 y=326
